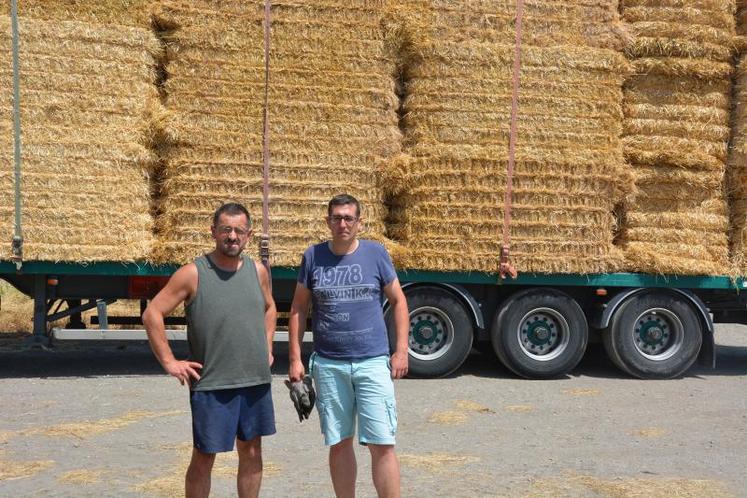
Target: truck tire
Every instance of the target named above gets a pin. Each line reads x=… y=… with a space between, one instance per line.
x=441 y=332
x=540 y=334
x=656 y=335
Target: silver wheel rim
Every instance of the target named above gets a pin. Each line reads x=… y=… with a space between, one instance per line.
x=658 y=334
x=543 y=334
x=431 y=333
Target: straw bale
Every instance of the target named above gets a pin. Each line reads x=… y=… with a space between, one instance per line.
x=682 y=258
x=695 y=114
x=545 y=23
x=708 y=5
x=678 y=17
x=87 y=97
x=681 y=66
x=711 y=137
x=688 y=91
x=120 y=12
x=646 y=46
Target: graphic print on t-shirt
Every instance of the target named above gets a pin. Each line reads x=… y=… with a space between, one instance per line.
x=341 y=284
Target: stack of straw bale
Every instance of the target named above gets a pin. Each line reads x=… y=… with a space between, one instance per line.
x=86 y=93
x=677 y=130
x=569 y=174
x=737 y=163
x=332 y=110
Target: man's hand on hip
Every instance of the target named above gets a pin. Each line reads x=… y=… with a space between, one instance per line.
x=398 y=362
x=185 y=371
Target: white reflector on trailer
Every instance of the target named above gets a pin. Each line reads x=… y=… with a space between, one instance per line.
x=138 y=335
x=111 y=335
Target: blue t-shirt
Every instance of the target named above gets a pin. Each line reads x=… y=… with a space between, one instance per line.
x=347 y=318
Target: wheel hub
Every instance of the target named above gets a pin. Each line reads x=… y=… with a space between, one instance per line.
x=543 y=334
x=653 y=334
x=425 y=332
x=429 y=334
x=539 y=332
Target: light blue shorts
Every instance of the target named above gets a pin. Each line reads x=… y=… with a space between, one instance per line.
x=356 y=387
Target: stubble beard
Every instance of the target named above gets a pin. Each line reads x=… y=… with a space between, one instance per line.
x=230 y=250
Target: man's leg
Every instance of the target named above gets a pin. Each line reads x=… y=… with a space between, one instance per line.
x=249 y=477
x=343 y=468
x=197 y=480
x=385 y=470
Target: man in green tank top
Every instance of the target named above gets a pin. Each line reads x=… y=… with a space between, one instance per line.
x=230 y=326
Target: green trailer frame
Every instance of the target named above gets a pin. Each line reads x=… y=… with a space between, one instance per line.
x=86 y=286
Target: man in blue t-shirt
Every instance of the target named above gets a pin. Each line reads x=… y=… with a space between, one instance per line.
x=346 y=279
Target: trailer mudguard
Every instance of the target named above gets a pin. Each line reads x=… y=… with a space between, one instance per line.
x=472 y=305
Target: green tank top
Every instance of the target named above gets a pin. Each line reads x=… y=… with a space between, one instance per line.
x=226 y=329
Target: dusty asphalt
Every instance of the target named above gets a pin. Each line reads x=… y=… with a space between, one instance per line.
x=100 y=420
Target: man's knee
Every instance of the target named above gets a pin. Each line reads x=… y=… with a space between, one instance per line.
x=381 y=450
x=342 y=447
x=202 y=462
x=251 y=449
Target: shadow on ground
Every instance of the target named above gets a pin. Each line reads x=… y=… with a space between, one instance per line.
x=93 y=359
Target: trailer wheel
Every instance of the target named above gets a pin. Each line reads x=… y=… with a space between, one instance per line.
x=541 y=334
x=441 y=332
x=654 y=336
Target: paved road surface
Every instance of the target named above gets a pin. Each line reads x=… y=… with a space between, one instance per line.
x=104 y=421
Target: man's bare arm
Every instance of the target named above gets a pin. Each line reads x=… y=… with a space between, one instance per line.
x=398 y=303
x=181 y=287
x=296 y=328
x=271 y=314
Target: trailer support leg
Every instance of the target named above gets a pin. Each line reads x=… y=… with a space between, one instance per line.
x=40 y=337
x=76 y=320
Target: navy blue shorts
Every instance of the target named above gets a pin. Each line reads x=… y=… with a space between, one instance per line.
x=221 y=416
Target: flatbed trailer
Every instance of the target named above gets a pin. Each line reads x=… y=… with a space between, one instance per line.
x=538 y=325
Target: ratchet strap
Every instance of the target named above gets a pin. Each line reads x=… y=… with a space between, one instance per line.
x=17 y=243
x=264 y=241
x=505 y=266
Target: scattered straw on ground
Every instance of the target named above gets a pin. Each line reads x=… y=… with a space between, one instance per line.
x=471 y=406
x=167 y=486
x=81 y=477
x=575 y=485
x=520 y=408
x=581 y=392
x=5 y=436
x=435 y=462
x=650 y=432
x=448 y=418
x=12 y=469
x=84 y=430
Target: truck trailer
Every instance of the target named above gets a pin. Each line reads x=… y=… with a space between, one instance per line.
x=538 y=325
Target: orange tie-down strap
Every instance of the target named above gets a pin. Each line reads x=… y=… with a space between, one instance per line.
x=264 y=241
x=505 y=266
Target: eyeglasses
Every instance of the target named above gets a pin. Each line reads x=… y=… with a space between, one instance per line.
x=240 y=232
x=347 y=219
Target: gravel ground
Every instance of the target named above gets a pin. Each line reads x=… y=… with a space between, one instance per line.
x=101 y=420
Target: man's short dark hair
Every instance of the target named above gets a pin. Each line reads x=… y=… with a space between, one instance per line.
x=341 y=200
x=231 y=209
